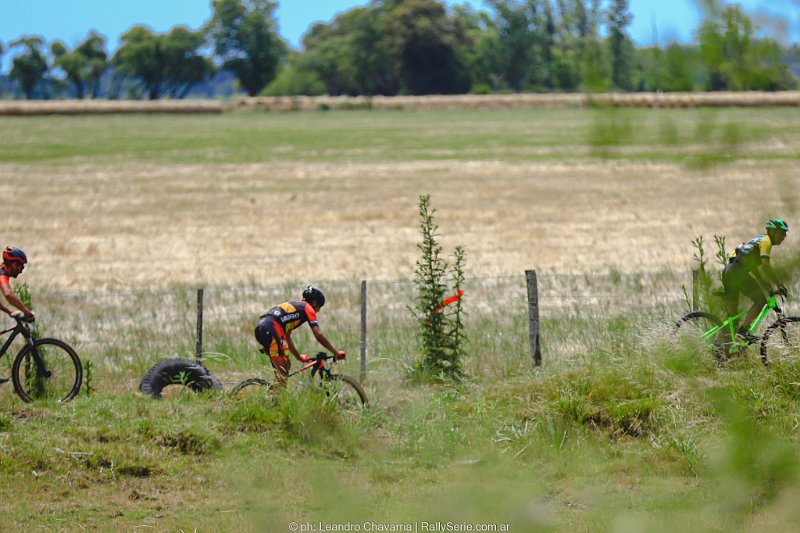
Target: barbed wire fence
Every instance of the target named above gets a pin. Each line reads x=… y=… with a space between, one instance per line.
x=509 y=327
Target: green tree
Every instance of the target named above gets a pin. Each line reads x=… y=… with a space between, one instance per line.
x=295 y=79
x=184 y=66
x=678 y=60
x=426 y=40
x=165 y=64
x=594 y=69
x=30 y=68
x=514 y=41
x=572 y=33
x=352 y=54
x=734 y=59
x=84 y=65
x=246 y=39
x=620 y=45
x=477 y=49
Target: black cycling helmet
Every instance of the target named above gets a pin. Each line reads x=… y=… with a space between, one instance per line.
x=312 y=293
x=11 y=254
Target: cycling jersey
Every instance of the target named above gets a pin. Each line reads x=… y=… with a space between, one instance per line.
x=750 y=253
x=3 y=275
x=290 y=315
x=273 y=326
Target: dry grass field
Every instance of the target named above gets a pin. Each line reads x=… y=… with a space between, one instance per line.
x=135 y=201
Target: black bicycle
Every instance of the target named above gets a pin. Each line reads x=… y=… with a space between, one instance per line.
x=341 y=388
x=45 y=369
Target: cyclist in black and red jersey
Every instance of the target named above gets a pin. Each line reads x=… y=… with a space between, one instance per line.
x=274 y=330
x=14 y=261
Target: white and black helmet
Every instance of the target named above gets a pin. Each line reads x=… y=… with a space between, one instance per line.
x=312 y=293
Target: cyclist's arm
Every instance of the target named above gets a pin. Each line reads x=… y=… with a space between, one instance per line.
x=292 y=347
x=12 y=299
x=769 y=274
x=322 y=339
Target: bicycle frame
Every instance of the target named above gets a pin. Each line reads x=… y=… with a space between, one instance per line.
x=18 y=329
x=317 y=364
x=728 y=323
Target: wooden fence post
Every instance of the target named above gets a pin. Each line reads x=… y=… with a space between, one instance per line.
x=198 y=354
x=533 y=317
x=695 y=290
x=363 y=373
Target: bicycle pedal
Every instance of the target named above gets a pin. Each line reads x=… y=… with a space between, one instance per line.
x=747 y=338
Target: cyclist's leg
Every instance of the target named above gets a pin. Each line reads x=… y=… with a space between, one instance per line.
x=755 y=293
x=272 y=337
x=731 y=284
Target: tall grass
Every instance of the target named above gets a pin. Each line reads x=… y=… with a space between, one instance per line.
x=620 y=428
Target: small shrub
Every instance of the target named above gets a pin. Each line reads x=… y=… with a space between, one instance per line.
x=440 y=330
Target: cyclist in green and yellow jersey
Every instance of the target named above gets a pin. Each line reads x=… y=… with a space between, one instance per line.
x=749 y=272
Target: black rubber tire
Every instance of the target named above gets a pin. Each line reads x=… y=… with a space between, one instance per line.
x=355 y=385
x=695 y=316
x=252 y=382
x=69 y=371
x=702 y=322
x=789 y=331
x=178 y=372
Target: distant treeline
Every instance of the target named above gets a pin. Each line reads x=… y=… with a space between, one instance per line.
x=406 y=47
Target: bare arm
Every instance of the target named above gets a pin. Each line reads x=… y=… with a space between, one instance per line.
x=292 y=347
x=769 y=274
x=12 y=299
x=322 y=339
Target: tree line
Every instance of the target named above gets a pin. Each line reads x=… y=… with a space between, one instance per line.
x=391 y=47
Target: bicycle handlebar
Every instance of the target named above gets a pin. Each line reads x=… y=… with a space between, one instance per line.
x=22 y=322
x=325 y=356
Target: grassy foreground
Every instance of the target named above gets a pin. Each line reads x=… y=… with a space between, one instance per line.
x=621 y=430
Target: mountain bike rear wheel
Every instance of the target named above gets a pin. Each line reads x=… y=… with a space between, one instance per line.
x=780 y=343
x=691 y=327
x=49 y=371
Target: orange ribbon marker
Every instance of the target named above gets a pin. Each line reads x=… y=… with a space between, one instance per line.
x=448 y=301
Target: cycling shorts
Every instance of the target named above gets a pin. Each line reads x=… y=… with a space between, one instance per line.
x=271 y=336
x=738 y=279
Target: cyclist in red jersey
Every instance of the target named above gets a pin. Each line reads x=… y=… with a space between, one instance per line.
x=14 y=261
x=274 y=330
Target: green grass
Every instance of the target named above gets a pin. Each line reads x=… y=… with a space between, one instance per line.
x=696 y=137
x=620 y=429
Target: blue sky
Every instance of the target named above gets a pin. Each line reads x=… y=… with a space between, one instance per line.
x=71 y=20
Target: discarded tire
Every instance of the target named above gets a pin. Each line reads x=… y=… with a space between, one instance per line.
x=178 y=372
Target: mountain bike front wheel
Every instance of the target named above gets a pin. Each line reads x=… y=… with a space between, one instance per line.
x=345 y=391
x=249 y=388
x=50 y=370
x=780 y=343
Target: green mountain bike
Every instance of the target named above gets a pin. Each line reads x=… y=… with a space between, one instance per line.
x=779 y=342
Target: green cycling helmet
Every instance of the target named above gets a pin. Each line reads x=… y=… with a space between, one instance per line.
x=777 y=223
